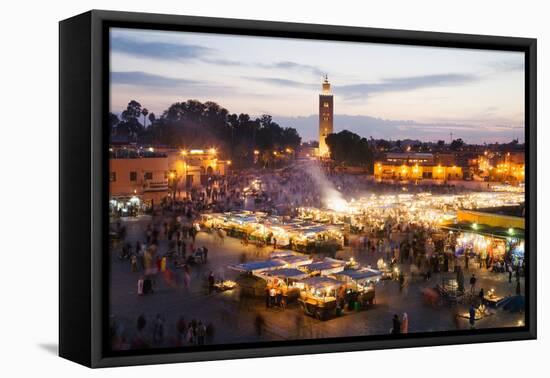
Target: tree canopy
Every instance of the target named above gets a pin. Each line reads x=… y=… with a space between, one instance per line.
x=349 y=148
x=194 y=124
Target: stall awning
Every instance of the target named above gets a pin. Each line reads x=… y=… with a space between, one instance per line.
x=296 y=260
x=483 y=229
x=362 y=275
x=326 y=266
x=258 y=266
x=286 y=273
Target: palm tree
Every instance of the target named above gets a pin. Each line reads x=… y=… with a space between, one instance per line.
x=144 y=111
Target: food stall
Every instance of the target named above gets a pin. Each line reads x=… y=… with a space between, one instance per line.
x=360 y=285
x=285 y=279
x=251 y=282
x=517 y=251
x=257 y=274
x=225 y=285
x=318 y=296
x=491 y=299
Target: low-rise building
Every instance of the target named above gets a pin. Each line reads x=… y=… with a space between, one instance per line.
x=418 y=166
x=154 y=172
x=502 y=166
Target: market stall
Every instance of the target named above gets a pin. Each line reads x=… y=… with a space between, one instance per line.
x=360 y=285
x=285 y=280
x=318 y=296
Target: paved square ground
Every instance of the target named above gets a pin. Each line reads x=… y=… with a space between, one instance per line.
x=235 y=321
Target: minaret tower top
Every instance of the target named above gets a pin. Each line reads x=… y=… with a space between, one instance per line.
x=326 y=115
x=326 y=85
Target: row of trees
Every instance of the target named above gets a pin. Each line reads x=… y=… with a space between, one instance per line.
x=417 y=146
x=350 y=149
x=193 y=124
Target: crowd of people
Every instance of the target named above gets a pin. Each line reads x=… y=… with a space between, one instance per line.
x=156 y=333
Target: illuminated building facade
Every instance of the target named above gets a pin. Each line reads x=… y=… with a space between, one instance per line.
x=417 y=166
x=153 y=173
x=506 y=166
x=326 y=117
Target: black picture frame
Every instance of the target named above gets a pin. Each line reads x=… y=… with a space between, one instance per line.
x=84 y=190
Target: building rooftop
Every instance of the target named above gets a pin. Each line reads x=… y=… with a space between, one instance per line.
x=511 y=211
x=483 y=229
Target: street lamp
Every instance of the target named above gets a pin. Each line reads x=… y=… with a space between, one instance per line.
x=172 y=184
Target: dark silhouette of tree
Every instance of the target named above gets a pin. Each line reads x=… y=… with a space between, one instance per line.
x=349 y=148
x=130 y=125
x=144 y=112
x=113 y=122
x=132 y=111
x=457 y=144
x=151 y=118
x=193 y=124
x=383 y=145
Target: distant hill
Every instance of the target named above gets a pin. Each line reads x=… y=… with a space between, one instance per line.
x=379 y=128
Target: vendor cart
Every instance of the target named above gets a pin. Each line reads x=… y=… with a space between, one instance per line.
x=360 y=285
x=318 y=297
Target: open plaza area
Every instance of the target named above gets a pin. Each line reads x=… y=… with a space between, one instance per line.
x=187 y=275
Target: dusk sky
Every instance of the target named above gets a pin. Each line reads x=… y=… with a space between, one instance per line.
x=383 y=91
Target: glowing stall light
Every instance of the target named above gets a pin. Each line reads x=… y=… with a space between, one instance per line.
x=338 y=204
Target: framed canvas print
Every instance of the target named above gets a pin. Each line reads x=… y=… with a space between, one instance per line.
x=234 y=188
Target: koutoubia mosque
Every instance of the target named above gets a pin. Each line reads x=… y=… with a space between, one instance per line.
x=326 y=117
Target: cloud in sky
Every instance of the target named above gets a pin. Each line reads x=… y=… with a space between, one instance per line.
x=184 y=51
x=288 y=65
x=144 y=79
x=283 y=82
x=140 y=78
x=156 y=49
x=152 y=89
x=362 y=90
x=405 y=84
x=507 y=65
